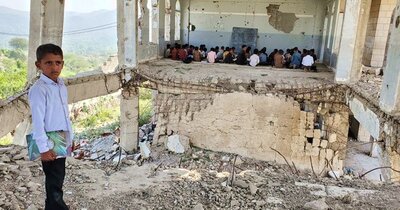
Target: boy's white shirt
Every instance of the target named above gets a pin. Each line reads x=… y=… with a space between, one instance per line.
x=49 y=106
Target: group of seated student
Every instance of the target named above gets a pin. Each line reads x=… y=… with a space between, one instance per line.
x=292 y=58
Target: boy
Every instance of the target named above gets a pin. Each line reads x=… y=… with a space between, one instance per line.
x=49 y=107
x=296 y=59
x=254 y=59
x=307 y=62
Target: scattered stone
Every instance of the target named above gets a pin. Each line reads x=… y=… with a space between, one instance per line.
x=274 y=200
x=335 y=174
x=317 y=205
x=241 y=184
x=145 y=149
x=253 y=189
x=337 y=192
x=177 y=143
x=225 y=158
x=198 y=206
x=32 y=207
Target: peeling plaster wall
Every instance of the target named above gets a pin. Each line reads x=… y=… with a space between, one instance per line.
x=281 y=24
x=250 y=125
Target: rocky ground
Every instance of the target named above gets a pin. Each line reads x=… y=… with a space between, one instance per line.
x=198 y=179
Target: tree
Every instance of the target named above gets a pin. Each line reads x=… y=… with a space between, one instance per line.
x=19 y=43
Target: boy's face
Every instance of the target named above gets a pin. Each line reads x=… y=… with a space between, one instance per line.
x=51 y=65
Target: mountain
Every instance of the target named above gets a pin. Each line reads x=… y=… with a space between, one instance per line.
x=84 y=33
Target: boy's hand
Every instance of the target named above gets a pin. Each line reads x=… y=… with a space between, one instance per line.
x=48 y=156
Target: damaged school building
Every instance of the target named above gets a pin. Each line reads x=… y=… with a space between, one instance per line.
x=262 y=112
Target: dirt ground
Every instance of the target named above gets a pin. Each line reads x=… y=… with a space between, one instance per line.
x=198 y=179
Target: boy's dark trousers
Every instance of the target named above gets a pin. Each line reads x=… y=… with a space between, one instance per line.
x=55 y=173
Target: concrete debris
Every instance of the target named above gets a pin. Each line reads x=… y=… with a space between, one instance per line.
x=198 y=207
x=184 y=181
x=146 y=132
x=335 y=174
x=107 y=147
x=144 y=149
x=317 y=205
x=274 y=200
x=253 y=188
x=178 y=143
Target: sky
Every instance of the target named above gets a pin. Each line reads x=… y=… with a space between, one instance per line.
x=83 y=6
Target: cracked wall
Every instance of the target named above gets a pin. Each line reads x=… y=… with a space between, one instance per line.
x=250 y=125
x=281 y=21
x=281 y=24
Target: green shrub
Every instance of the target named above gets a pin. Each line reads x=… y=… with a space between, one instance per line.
x=145 y=111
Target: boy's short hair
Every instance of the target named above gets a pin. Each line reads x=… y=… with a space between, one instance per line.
x=44 y=49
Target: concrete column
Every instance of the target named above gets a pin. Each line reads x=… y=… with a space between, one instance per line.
x=45 y=26
x=34 y=36
x=53 y=22
x=382 y=32
x=161 y=27
x=129 y=118
x=155 y=11
x=354 y=30
x=127 y=60
x=172 y=25
x=390 y=92
x=145 y=22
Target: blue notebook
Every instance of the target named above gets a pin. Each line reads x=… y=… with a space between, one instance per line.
x=55 y=142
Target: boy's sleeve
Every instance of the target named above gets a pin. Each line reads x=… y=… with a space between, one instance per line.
x=37 y=101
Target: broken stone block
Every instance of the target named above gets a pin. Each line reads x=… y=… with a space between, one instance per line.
x=317 y=133
x=253 y=189
x=198 y=206
x=317 y=205
x=309 y=133
x=308 y=149
x=240 y=183
x=177 y=143
x=332 y=138
x=310 y=120
x=316 y=141
x=329 y=154
x=144 y=149
x=314 y=151
x=324 y=144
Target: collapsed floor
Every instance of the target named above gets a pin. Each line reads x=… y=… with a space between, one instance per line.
x=198 y=179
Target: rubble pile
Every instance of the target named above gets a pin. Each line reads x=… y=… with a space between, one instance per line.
x=108 y=148
x=196 y=179
x=18 y=178
x=369 y=86
x=208 y=184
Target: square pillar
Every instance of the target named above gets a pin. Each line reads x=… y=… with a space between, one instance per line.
x=390 y=90
x=354 y=30
x=161 y=27
x=127 y=61
x=172 y=22
x=45 y=26
x=145 y=22
x=382 y=32
x=129 y=118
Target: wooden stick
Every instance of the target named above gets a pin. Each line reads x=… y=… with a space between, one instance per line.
x=330 y=166
x=233 y=170
x=312 y=167
x=284 y=159
x=379 y=168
